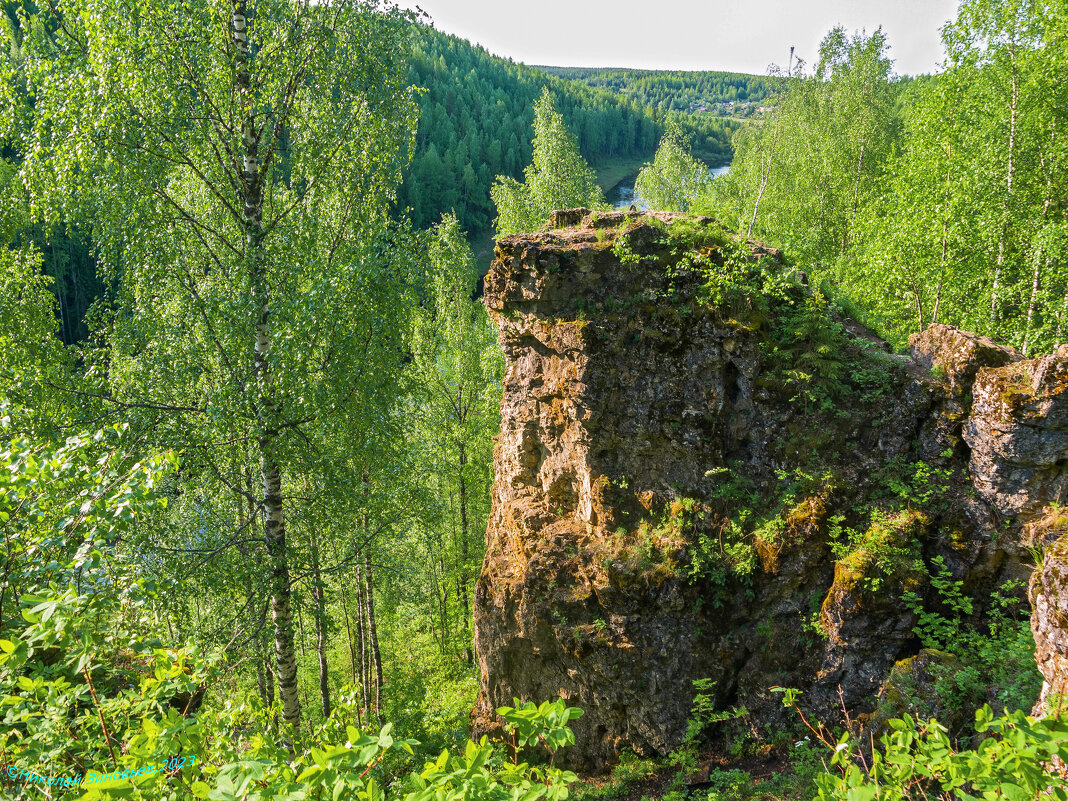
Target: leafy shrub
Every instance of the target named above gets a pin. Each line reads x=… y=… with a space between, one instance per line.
x=86 y=684
x=916 y=760
x=807 y=352
x=998 y=654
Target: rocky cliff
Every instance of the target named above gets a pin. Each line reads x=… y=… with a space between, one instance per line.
x=704 y=471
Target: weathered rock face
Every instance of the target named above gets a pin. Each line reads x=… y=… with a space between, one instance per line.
x=679 y=473
x=1018 y=433
x=1048 y=592
x=955 y=357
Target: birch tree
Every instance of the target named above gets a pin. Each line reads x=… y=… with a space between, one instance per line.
x=457 y=370
x=557 y=178
x=969 y=228
x=236 y=160
x=674 y=178
x=809 y=169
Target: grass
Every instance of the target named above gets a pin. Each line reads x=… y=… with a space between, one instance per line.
x=611 y=171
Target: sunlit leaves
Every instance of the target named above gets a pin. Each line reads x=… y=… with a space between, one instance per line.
x=675 y=178
x=558 y=178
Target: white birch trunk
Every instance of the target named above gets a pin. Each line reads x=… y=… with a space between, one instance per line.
x=267 y=434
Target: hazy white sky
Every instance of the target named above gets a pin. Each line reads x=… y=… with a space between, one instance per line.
x=734 y=35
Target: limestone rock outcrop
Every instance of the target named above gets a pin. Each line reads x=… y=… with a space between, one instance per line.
x=696 y=480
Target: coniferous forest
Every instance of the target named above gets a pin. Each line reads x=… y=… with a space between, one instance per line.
x=255 y=484
x=673 y=90
x=475 y=123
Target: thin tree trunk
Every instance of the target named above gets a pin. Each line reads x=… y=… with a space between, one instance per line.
x=1038 y=256
x=943 y=259
x=437 y=608
x=372 y=635
x=268 y=670
x=361 y=624
x=941 y=274
x=1063 y=314
x=319 y=598
x=300 y=625
x=251 y=195
x=765 y=174
x=352 y=646
x=465 y=609
x=348 y=633
x=856 y=200
x=1008 y=193
x=443 y=604
x=1031 y=303
x=348 y=630
x=261 y=677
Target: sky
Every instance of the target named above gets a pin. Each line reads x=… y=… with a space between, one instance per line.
x=730 y=35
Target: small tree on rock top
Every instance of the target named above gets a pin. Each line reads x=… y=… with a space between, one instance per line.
x=558 y=178
x=675 y=177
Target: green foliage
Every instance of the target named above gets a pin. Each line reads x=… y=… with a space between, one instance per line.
x=807 y=351
x=63 y=506
x=60 y=724
x=916 y=760
x=801 y=175
x=717 y=557
x=631 y=770
x=31 y=356
x=480 y=773
x=997 y=654
x=451 y=411
x=673 y=89
x=544 y=724
x=475 y=123
x=934 y=200
x=558 y=177
x=965 y=227
x=674 y=178
x=84 y=666
x=886 y=547
x=703 y=713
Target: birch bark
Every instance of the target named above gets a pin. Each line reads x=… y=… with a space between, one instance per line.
x=251 y=199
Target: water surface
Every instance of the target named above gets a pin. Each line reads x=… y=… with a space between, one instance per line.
x=623 y=196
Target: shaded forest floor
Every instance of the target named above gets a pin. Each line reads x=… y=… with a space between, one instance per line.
x=768 y=775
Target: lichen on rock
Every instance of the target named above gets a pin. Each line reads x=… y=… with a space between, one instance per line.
x=705 y=472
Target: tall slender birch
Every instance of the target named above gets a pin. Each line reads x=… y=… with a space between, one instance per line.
x=237 y=160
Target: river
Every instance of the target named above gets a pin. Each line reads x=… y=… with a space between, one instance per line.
x=622 y=195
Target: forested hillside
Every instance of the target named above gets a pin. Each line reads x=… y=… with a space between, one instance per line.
x=475 y=118
x=475 y=123
x=672 y=90
x=293 y=496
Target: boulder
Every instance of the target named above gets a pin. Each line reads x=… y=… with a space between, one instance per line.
x=1018 y=434
x=956 y=356
x=915 y=687
x=948 y=361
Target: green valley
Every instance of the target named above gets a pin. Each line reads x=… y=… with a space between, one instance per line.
x=356 y=443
